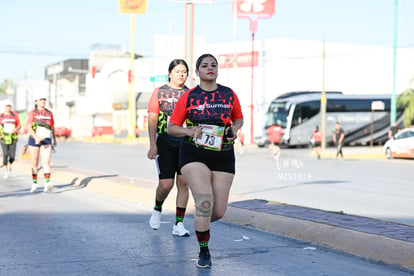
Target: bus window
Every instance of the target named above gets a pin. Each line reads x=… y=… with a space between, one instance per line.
x=353 y=105
x=305 y=111
x=277 y=114
x=297 y=116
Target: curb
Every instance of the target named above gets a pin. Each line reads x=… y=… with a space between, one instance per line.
x=366 y=245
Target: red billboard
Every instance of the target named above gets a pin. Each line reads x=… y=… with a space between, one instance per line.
x=255 y=7
x=243 y=60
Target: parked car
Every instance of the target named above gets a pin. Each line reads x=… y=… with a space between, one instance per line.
x=401 y=145
x=63 y=132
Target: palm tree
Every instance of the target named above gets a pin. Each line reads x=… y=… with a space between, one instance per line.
x=406 y=99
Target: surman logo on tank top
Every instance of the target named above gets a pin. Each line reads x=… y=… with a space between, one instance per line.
x=201 y=107
x=206 y=105
x=10 y=120
x=41 y=117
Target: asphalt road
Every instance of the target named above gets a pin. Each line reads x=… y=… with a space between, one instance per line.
x=73 y=231
x=377 y=188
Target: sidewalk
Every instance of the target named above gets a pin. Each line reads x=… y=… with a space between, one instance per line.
x=356 y=152
x=378 y=240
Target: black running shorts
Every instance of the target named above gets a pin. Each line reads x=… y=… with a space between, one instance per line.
x=221 y=161
x=317 y=144
x=168 y=156
x=46 y=141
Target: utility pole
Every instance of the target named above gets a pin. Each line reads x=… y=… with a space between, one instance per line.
x=323 y=99
x=249 y=10
x=189 y=40
x=131 y=96
x=132 y=8
x=393 y=116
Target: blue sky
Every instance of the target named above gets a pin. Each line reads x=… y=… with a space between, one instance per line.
x=37 y=33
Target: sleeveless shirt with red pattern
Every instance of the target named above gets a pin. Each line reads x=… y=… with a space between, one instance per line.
x=12 y=118
x=41 y=117
x=219 y=107
x=163 y=101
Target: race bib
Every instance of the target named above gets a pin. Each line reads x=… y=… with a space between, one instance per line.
x=8 y=128
x=212 y=137
x=43 y=132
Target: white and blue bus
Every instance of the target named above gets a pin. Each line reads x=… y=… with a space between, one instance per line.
x=298 y=113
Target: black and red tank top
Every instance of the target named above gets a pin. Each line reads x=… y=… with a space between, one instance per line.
x=163 y=101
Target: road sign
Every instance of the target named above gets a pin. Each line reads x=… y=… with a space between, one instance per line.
x=377 y=105
x=255 y=7
x=159 y=78
x=132 y=6
x=243 y=59
x=195 y=1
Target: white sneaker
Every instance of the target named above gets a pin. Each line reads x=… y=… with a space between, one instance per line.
x=6 y=175
x=179 y=230
x=34 y=187
x=48 y=187
x=10 y=172
x=155 y=220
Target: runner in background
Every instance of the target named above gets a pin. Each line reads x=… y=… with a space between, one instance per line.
x=393 y=130
x=41 y=127
x=241 y=135
x=164 y=148
x=9 y=134
x=274 y=133
x=338 y=139
x=317 y=139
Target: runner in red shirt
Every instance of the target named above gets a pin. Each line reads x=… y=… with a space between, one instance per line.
x=164 y=148
x=274 y=134
x=9 y=134
x=317 y=138
x=41 y=126
x=213 y=116
x=241 y=136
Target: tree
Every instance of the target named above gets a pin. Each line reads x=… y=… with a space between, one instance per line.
x=6 y=85
x=406 y=99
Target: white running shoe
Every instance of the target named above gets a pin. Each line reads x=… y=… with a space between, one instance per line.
x=179 y=230
x=155 y=220
x=10 y=172
x=48 y=187
x=6 y=175
x=34 y=187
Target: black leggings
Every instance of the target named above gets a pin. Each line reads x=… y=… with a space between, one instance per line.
x=9 y=153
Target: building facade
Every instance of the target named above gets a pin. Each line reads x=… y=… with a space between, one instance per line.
x=90 y=93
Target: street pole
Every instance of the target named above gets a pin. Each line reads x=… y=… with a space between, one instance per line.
x=251 y=95
x=242 y=9
x=371 y=144
x=131 y=98
x=132 y=7
x=393 y=116
x=235 y=36
x=189 y=36
x=323 y=99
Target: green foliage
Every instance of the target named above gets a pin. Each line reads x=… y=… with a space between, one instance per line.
x=406 y=99
x=5 y=85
